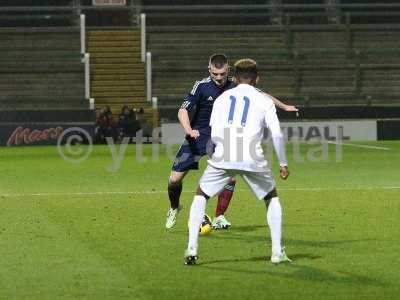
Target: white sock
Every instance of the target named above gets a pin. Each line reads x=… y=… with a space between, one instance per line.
x=274 y=219
x=197 y=211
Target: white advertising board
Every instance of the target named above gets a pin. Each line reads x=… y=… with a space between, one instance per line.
x=358 y=130
x=361 y=130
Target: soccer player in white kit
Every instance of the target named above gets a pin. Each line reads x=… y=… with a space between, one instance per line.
x=237 y=122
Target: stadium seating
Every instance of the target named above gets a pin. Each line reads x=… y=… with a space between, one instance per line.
x=337 y=64
x=261 y=12
x=41 y=68
x=180 y=54
x=44 y=13
x=117 y=72
x=310 y=52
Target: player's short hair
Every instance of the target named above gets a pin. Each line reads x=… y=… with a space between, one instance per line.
x=218 y=60
x=246 y=69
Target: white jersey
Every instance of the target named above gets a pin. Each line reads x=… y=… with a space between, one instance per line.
x=237 y=122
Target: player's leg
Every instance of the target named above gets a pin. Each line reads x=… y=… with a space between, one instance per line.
x=224 y=198
x=197 y=211
x=274 y=220
x=174 y=194
x=175 y=187
x=263 y=186
x=185 y=160
x=211 y=183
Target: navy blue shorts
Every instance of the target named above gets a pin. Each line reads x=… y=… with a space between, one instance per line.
x=190 y=153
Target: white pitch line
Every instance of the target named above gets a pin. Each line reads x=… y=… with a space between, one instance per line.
x=360 y=146
x=82 y=194
x=310 y=189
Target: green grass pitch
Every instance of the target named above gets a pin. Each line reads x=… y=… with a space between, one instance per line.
x=79 y=231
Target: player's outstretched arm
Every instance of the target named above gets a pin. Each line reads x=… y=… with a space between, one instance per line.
x=183 y=117
x=280 y=104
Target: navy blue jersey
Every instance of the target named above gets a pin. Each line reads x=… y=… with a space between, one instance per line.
x=202 y=98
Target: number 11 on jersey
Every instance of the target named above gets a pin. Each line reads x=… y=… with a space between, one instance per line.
x=244 y=113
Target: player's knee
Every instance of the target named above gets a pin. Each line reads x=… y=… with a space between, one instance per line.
x=271 y=195
x=174 y=181
x=230 y=186
x=200 y=192
x=175 y=178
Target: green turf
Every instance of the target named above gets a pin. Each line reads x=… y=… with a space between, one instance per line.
x=63 y=237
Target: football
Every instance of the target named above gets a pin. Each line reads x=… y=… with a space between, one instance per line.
x=206 y=225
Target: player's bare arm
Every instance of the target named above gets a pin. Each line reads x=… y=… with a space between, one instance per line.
x=183 y=118
x=280 y=104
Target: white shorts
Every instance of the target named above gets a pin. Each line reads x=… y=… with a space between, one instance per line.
x=214 y=180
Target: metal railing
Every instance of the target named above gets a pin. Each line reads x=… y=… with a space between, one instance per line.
x=149 y=77
x=86 y=61
x=143 y=36
x=146 y=58
x=83 y=33
x=85 y=58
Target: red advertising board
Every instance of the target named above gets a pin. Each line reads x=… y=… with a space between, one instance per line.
x=36 y=134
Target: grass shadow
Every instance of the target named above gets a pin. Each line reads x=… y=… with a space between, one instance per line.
x=265 y=258
x=248 y=228
x=293 y=271
x=241 y=235
x=324 y=244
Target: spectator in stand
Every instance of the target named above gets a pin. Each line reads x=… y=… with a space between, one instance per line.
x=105 y=125
x=127 y=122
x=144 y=123
x=100 y=127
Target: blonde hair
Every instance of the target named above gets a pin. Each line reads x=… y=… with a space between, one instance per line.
x=246 y=69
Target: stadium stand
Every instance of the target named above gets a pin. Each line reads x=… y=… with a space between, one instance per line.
x=117 y=72
x=42 y=74
x=310 y=52
x=41 y=64
x=41 y=68
x=330 y=61
x=181 y=56
x=34 y=13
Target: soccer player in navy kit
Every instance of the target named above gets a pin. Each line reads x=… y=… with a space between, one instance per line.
x=198 y=137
